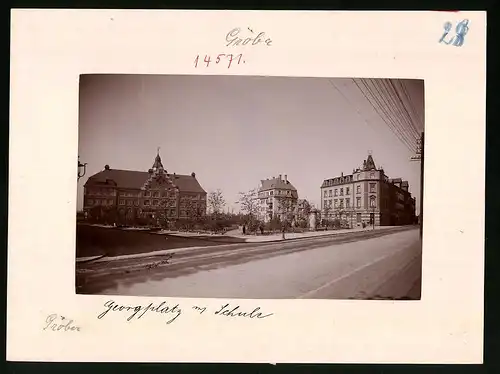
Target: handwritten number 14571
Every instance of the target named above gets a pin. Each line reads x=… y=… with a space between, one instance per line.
x=220 y=59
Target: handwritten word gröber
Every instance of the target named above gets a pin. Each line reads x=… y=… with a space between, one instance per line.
x=160 y=308
x=55 y=322
x=228 y=311
x=221 y=58
x=236 y=37
x=460 y=30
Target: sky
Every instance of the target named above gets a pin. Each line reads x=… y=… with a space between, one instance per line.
x=233 y=131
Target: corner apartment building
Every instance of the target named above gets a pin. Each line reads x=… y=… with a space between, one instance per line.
x=272 y=193
x=368 y=195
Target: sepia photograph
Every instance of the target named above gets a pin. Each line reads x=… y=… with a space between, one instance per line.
x=252 y=187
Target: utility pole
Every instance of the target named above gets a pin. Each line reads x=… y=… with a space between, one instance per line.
x=420 y=157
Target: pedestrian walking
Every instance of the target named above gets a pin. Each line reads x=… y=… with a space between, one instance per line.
x=244 y=230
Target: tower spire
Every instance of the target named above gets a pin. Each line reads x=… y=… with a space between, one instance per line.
x=157 y=164
x=370 y=164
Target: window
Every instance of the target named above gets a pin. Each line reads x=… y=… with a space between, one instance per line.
x=329 y=193
x=136 y=202
x=373 y=203
x=172 y=212
x=341 y=192
x=347 y=190
x=104 y=202
x=288 y=192
x=336 y=192
x=156 y=194
x=271 y=193
x=335 y=203
x=330 y=203
x=122 y=202
x=325 y=203
x=164 y=194
x=110 y=202
x=358 y=218
x=358 y=189
x=155 y=202
x=146 y=202
x=372 y=187
x=357 y=177
x=341 y=203
x=90 y=202
x=325 y=194
x=129 y=202
x=347 y=203
x=358 y=202
x=183 y=213
x=147 y=193
x=372 y=175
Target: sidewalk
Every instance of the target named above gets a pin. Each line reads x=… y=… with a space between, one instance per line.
x=310 y=234
x=251 y=238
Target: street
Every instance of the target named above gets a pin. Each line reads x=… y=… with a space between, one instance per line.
x=372 y=264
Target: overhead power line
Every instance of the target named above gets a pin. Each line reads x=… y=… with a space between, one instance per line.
x=390 y=112
x=383 y=114
x=416 y=114
x=404 y=108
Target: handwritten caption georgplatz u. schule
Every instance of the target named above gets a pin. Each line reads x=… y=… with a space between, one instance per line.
x=172 y=313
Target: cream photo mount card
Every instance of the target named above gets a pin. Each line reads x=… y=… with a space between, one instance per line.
x=248 y=185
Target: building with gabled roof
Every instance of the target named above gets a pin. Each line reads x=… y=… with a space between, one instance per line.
x=145 y=193
x=277 y=198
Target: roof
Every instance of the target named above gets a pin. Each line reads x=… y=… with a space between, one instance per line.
x=132 y=179
x=270 y=184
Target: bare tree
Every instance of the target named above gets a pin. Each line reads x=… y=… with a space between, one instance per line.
x=250 y=206
x=216 y=202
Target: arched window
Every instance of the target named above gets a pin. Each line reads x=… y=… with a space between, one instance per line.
x=373 y=202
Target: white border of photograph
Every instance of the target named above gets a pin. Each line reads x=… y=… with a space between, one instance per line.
x=51 y=48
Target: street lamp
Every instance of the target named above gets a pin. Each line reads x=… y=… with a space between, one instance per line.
x=373 y=214
x=82 y=168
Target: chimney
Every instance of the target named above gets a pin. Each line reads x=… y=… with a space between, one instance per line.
x=286 y=178
x=106 y=167
x=193 y=174
x=280 y=177
x=342 y=174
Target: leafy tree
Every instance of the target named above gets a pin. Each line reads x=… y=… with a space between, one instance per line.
x=194 y=213
x=286 y=207
x=327 y=210
x=275 y=223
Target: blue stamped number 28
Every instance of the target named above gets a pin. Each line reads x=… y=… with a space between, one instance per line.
x=460 y=30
